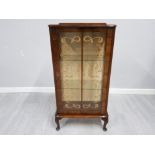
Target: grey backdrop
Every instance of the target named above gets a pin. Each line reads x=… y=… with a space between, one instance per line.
x=25 y=58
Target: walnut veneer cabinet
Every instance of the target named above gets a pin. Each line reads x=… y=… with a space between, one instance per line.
x=82 y=58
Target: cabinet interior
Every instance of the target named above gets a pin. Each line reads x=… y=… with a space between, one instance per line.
x=82 y=66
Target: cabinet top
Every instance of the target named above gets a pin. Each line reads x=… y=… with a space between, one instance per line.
x=82 y=25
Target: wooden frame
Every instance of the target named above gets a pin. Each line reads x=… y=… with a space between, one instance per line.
x=55 y=30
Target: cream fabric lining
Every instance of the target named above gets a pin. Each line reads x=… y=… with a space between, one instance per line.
x=93 y=56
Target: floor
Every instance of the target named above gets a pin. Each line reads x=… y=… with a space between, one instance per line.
x=33 y=113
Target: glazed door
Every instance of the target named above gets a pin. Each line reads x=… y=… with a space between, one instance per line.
x=70 y=69
x=92 y=71
x=81 y=70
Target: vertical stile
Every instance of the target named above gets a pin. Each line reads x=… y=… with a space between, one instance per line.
x=81 y=67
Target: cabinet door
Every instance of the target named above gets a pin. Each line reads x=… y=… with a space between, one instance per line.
x=93 y=67
x=70 y=69
x=81 y=70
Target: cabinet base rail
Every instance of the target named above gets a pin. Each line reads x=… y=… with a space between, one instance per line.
x=104 y=118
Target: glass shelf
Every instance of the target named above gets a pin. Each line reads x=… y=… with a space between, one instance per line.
x=85 y=58
x=83 y=88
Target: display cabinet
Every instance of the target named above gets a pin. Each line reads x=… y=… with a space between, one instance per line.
x=82 y=58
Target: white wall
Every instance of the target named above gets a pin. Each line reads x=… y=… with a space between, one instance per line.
x=25 y=58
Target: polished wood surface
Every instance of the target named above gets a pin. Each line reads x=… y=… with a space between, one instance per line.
x=55 y=31
x=83 y=25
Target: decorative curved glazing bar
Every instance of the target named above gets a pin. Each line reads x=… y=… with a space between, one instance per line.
x=77 y=39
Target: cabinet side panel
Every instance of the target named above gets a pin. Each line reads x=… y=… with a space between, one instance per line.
x=107 y=67
x=56 y=66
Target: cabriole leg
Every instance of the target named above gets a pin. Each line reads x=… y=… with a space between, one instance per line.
x=57 y=123
x=105 y=119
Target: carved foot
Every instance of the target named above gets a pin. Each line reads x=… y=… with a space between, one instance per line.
x=57 y=123
x=105 y=119
x=57 y=128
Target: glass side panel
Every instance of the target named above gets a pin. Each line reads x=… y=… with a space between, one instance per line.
x=93 y=64
x=70 y=66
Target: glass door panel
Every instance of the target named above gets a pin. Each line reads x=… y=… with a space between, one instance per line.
x=70 y=67
x=81 y=68
x=93 y=64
